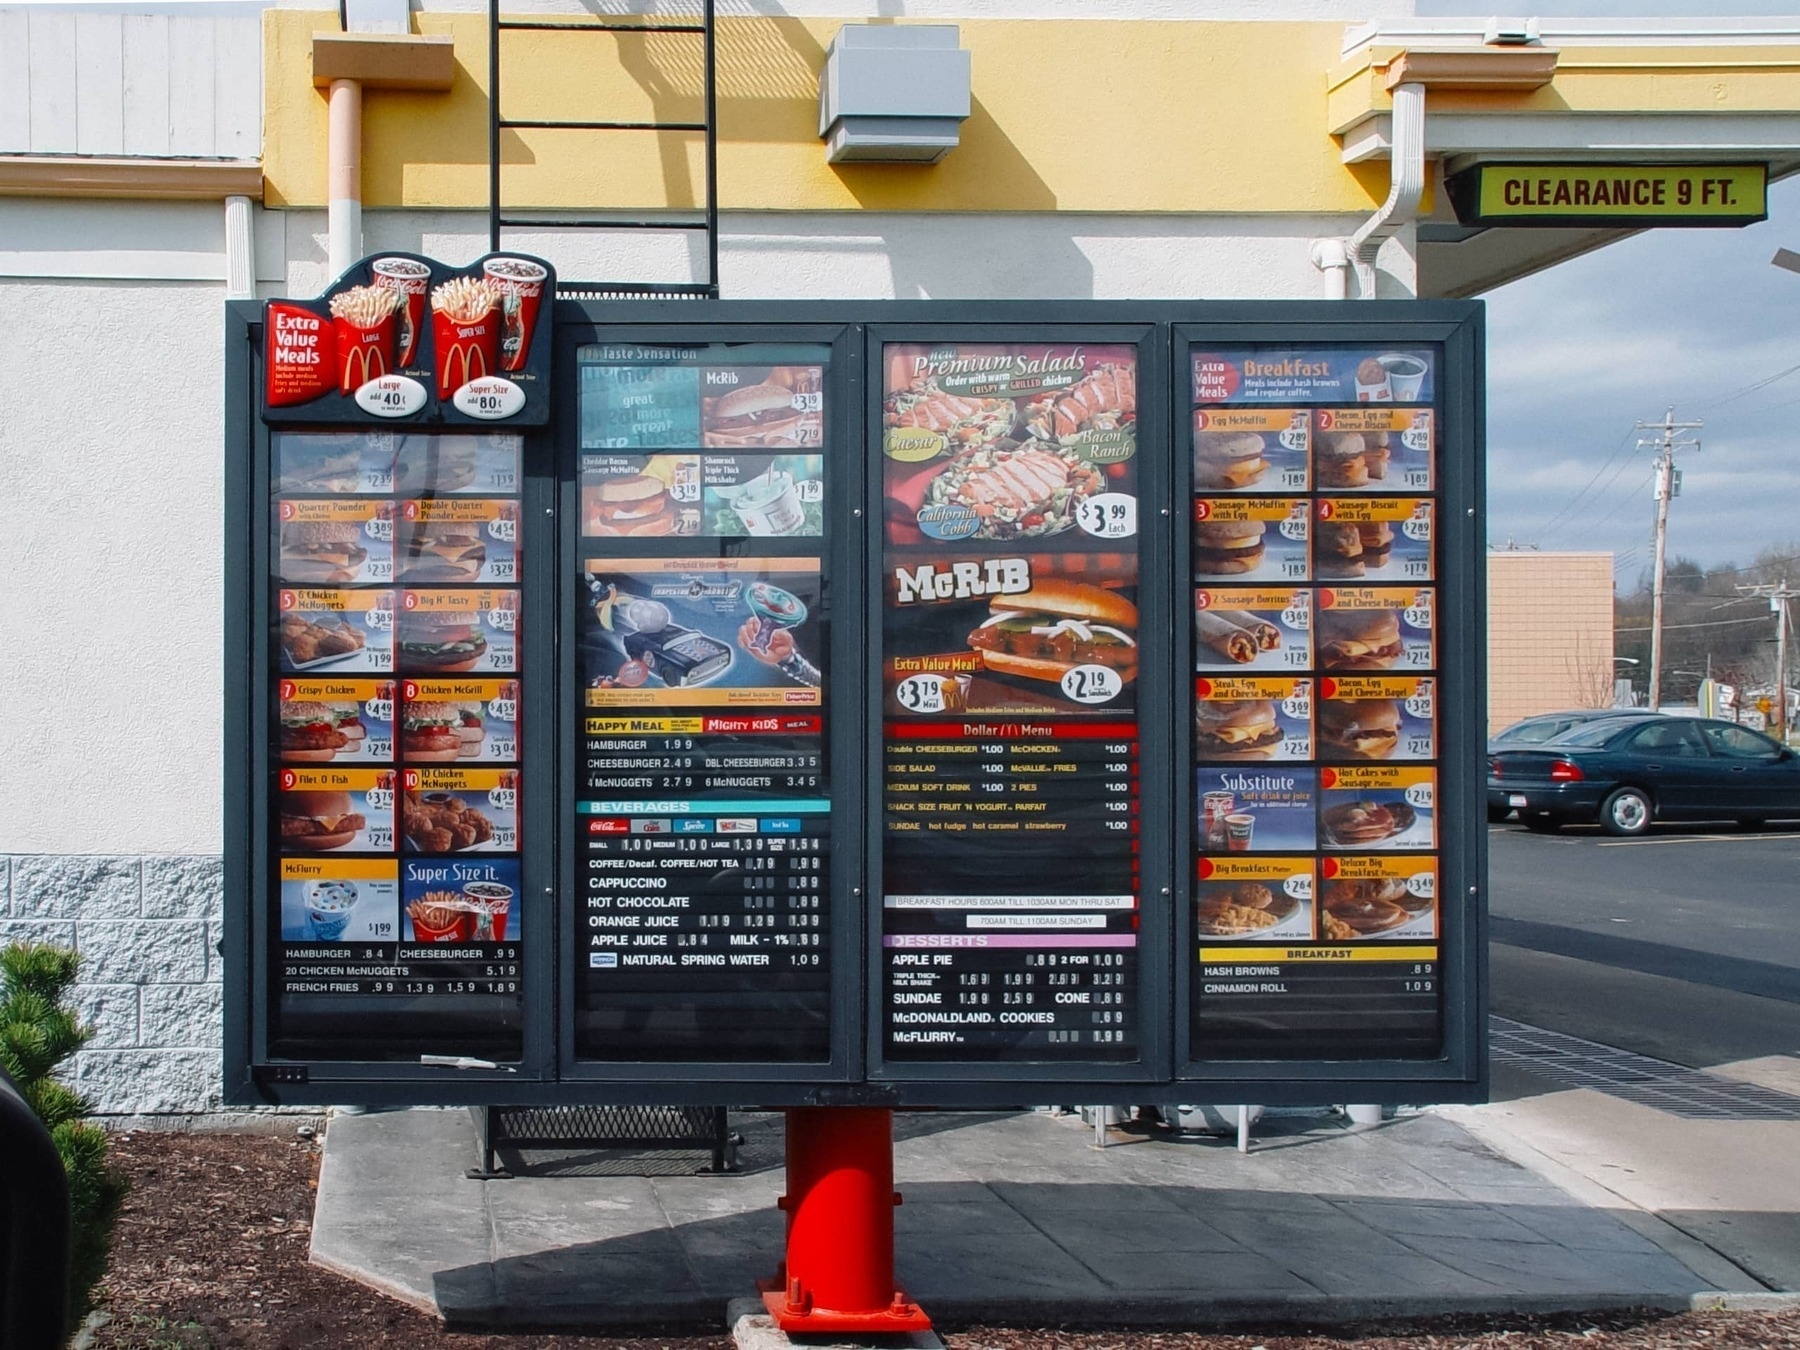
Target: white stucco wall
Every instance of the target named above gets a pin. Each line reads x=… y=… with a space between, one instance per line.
x=110 y=453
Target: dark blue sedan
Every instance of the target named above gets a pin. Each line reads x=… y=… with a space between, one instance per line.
x=1628 y=771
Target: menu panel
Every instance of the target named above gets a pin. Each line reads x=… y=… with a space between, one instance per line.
x=1009 y=873
x=396 y=759
x=703 y=807
x=1316 y=842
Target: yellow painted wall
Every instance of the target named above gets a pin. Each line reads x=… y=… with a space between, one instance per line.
x=1671 y=79
x=1068 y=116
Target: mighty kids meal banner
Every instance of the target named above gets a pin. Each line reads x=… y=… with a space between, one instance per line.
x=400 y=338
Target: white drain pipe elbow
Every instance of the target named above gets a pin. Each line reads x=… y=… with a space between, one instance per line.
x=1332 y=258
x=1406 y=187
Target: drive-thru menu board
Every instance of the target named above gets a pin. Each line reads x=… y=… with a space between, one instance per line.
x=1316 y=842
x=397 y=696
x=1009 y=870
x=703 y=808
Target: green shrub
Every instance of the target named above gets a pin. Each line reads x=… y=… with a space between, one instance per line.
x=37 y=1033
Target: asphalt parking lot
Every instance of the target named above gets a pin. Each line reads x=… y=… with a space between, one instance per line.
x=1683 y=945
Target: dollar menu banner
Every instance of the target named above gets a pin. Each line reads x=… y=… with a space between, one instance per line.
x=404 y=339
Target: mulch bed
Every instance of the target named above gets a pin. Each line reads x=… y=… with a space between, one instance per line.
x=210 y=1252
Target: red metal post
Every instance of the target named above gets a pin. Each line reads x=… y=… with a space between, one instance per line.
x=839 y=1272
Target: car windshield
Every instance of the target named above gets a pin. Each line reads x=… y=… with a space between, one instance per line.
x=1594 y=733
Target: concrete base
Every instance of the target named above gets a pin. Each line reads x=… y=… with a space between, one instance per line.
x=753 y=1329
x=1014 y=1219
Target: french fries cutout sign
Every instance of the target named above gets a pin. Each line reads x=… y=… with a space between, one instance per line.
x=402 y=338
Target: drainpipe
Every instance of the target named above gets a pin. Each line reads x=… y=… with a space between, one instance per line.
x=343 y=170
x=1332 y=257
x=1407 y=185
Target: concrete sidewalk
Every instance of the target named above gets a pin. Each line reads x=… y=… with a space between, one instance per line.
x=1013 y=1218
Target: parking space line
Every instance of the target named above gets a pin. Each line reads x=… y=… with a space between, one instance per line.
x=1688 y=839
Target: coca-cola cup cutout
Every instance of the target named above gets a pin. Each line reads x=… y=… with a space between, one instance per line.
x=410 y=279
x=363 y=317
x=465 y=332
x=521 y=287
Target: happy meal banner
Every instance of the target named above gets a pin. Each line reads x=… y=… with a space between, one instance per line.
x=400 y=338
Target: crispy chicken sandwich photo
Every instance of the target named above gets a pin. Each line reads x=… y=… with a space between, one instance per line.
x=1057 y=625
x=1225 y=548
x=431 y=733
x=1360 y=728
x=1235 y=729
x=1225 y=461
x=309 y=733
x=1358 y=639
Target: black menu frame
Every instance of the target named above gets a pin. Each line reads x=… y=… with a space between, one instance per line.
x=1168 y=1068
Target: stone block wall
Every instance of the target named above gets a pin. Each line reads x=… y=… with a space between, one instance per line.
x=148 y=929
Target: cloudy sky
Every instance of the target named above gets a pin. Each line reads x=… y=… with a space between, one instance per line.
x=1578 y=354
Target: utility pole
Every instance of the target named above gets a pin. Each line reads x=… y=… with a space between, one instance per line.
x=1668 y=483
x=1779 y=594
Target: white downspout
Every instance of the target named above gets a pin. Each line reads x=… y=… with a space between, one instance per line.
x=1406 y=187
x=1332 y=257
x=343 y=174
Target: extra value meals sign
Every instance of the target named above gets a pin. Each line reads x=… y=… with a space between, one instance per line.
x=1563 y=195
x=400 y=338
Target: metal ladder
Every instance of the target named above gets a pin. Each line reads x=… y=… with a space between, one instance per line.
x=709 y=217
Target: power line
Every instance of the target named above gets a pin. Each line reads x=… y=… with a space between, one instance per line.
x=1671 y=627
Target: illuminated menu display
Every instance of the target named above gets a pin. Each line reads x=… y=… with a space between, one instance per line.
x=1316 y=855
x=1009 y=870
x=703 y=809
x=395 y=745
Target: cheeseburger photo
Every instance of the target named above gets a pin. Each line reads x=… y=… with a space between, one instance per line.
x=1235 y=729
x=1357 y=639
x=638 y=504
x=311 y=820
x=322 y=550
x=1044 y=632
x=439 y=641
x=1224 y=548
x=1360 y=728
x=443 y=552
x=1225 y=461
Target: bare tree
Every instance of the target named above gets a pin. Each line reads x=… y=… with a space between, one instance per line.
x=1590 y=674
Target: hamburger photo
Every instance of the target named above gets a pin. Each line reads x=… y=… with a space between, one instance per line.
x=1341 y=549
x=309 y=465
x=759 y=414
x=1225 y=548
x=311 y=820
x=1236 y=729
x=1359 y=728
x=1044 y=632
x=431 y=733
x=1357 y=639
x=1341 y=460
x=443 y=552
x=1225 y=461
x=310 y=733
x=322 y=550
x=638 y=504
x=436 y=464
x=440 y=642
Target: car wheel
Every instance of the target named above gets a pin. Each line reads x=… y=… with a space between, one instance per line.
x=1496 y=814
x=1627 y=811
x=1542 y=824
